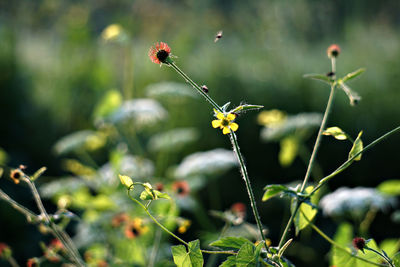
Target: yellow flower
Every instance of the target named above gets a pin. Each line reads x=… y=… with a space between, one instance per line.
x=225 y=122
x=271 y=118
x=112 y=32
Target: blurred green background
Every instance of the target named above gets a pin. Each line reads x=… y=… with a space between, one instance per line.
x=55 y=67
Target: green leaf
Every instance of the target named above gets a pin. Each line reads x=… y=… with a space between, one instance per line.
x=390 y=187
x=159 y=194
x=181 y=257
x=391 y=246
x=245 y=107
x=230 y=242
x=352 y=75
x=245 y=256
x=305 y=211
x=109 y=102
x=146 y=195
x=195 y=254
x=336 y=132
x=193 y=258
x=396 y=259
x=273 y=190
x=38 y=173
x=288 y=151
x=353 y=96
x=229 y=262
x=357 y=147
x=319 y=77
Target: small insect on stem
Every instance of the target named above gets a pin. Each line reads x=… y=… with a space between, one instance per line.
x=218 y=36
x=204 y=88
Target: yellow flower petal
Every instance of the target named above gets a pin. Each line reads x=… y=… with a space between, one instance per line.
x=226 y=130
x=220 y=116
x=234 y=126
x=216 y=123
x=231 y=117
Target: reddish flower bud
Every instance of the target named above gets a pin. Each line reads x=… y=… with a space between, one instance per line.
x=359 y=243
x=333 y=51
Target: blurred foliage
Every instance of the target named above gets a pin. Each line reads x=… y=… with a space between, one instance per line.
x=70 y=70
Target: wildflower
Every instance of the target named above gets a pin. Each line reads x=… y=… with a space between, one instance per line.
x=135 y=228
x=184 y=225
x=159 y=53
x=119 y=219
x=239 y=209
x=56 y=244
x=359 y=243
x=333 y=51
x=225 y=122
x=181 y=188
x=271 y=118
x=159 y=186
x=5 y=251
x=32 y=262
x=111 y=32
x=16 y=175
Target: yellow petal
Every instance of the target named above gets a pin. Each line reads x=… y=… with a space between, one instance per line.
x=231 y=117
x=216 y=123
x=220 y=116
x=226 y=130
x=234 y=126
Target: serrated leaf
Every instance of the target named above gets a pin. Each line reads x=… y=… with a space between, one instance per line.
x=390 y=187
x=245 y=256
x=336 y=132
x=230 y=242
x=273 y=190
x=229 y=262
x=353 y=96
x=319 y=77
x=357 y=147
x=352 y=75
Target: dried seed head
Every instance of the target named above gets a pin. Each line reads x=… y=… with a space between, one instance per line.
x=16 y=175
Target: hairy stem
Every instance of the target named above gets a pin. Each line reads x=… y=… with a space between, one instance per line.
x=387 y=259
x=246 y=179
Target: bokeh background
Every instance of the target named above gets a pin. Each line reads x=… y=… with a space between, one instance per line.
x=55 y=67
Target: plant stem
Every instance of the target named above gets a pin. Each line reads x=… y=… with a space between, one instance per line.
x=28 y=213
x=172 y=234
x=195 y=86
x=333 y=243
x=311 y=162
x=156 y=244
x=246 y=179
x=319 y=138
x=388 y=260
x=12 y=262
x=60 y=234
x=350 y=160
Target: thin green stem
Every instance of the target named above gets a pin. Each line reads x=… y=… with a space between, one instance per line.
x=319 y=138
x=286 y=231
x=311 y=162
x=347 y=163
x=156 y=244
x=172 y=234
x=388 y=260
x=156 y=221
x=333 y=243
x=28 y=213
x=195 y=86
x=246 y=179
